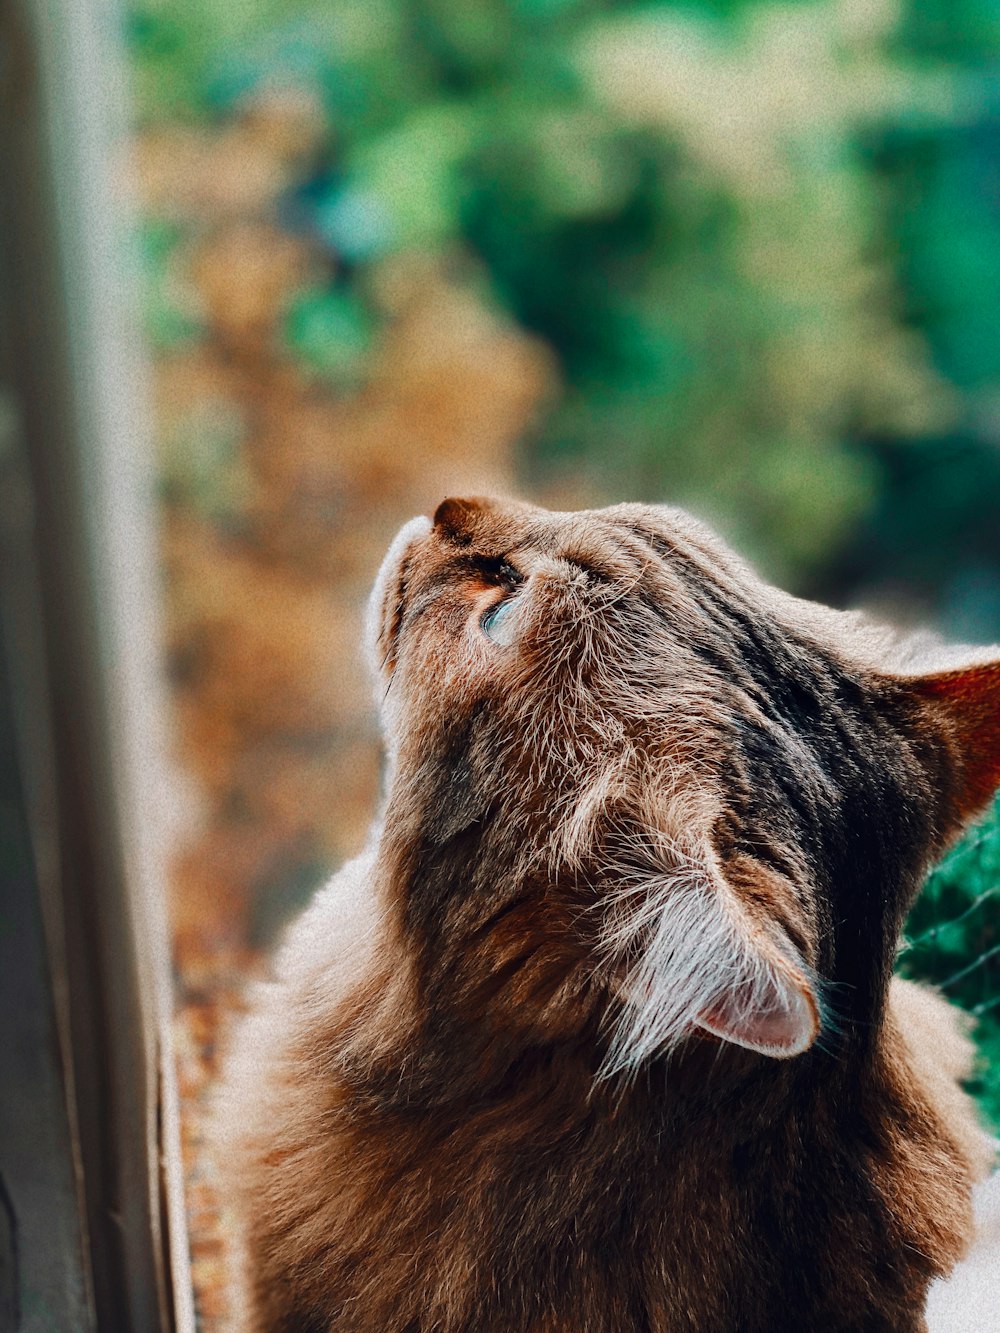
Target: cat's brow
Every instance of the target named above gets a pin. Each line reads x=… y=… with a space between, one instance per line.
x=587 y=567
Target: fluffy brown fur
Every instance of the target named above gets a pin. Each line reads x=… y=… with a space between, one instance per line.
x=598 y=1036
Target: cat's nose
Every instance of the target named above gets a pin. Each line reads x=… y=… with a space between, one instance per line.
x=457 y=518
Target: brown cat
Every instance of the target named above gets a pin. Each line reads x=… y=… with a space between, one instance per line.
x=598 y=1035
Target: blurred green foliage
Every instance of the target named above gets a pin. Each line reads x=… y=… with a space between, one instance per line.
x=761 y=240
x=953 y=940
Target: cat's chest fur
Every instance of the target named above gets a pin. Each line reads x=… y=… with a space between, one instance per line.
x=708 y=1195
x=638 y=1223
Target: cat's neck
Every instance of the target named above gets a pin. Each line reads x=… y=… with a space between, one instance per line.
x=712 y=1143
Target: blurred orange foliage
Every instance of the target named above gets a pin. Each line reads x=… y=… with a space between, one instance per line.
x=280 y=497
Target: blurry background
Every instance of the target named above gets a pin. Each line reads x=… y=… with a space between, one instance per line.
x=740 y=256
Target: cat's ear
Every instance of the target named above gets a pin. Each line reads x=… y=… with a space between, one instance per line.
x=770 y=1004
x=702 y=960
x=967 y=698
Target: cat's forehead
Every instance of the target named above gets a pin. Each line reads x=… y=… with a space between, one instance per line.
x=489 y=527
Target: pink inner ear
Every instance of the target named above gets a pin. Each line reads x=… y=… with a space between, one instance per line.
x=775 y=1014
x=970 y=696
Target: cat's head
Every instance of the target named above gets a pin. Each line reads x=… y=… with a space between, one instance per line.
x=621 y=764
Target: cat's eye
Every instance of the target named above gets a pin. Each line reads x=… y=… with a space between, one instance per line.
x=497 y=623
x=494 y=569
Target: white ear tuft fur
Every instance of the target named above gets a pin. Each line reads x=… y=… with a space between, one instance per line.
x=698 y=962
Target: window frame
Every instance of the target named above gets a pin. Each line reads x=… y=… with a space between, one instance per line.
x=79 y=606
